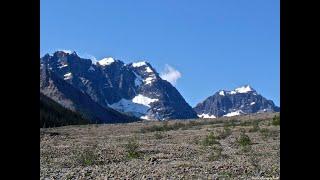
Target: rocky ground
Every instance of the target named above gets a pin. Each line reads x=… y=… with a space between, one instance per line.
x=244 y=147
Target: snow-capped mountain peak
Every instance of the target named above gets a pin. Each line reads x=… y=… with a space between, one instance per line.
x=139 y=64
x=242 y=100
x=134 y=88
x=106 y=61
x=221 y=92
x=143 y=64
x=244 y=89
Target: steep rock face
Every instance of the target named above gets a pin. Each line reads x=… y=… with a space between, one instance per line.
x=135 y=89
x=59 y=90
x=242 y=100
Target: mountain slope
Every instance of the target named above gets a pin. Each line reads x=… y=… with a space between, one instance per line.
x=53 y=114
x=135 y=89
x=242 y=100
x=70 y=97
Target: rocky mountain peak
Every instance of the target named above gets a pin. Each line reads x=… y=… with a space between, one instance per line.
x=135 y=89
x=241 y=100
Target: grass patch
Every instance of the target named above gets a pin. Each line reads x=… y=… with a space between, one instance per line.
x=276 y=121
x=265 y=133
x=224 y=175
x=209 y=140
x=132 y=149
x=165 y=126
x=87 y=158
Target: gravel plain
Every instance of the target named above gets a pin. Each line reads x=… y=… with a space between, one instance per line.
x=196 y=149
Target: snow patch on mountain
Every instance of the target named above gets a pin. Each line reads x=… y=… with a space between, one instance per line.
x=128 y=106
x=62 y=66
x=141 y=99
x=106 y=61
x=138 y=106
x=67 y=76
x=149 y=80
x=146 y=117
x=252 y=103
x=234 y=113
x=232 y=92
x=139 y=64
x=149 y=70
x=243 y=89
x=203 y=115
x=221 y=93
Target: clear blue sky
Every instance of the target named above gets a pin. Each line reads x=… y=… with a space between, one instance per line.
x=214 y=44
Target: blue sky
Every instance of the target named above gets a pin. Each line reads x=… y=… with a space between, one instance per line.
x=214 y=44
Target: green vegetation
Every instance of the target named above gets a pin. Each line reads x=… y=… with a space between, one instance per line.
x=209 y=140
x=87 y=158
x=224 y=175
x=265 y=133
x=276 y=121
x=244 y=140
x=165 y=126
x=53 y=114
x=132 y=148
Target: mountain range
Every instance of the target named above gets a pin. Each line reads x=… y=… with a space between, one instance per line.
x=110 y=91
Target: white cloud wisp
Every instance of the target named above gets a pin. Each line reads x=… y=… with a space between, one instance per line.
x=170 y=74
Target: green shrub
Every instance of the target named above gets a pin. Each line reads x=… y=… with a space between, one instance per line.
x=276 y=120
x=87 y=158
x=132 y=148
x=209 y=140
x=244 y=140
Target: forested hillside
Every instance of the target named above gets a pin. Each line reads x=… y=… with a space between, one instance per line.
x=53 y=114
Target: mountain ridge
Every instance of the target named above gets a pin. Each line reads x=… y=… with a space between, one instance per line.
x=134 y=88
x=241 y=100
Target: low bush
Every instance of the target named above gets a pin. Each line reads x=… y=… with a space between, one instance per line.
x=87 y=158
x=276 y=121
x=244 y=140
x=209 y=140
x=132 y=148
